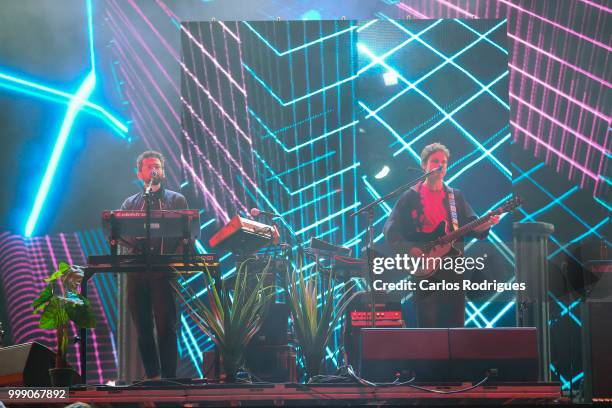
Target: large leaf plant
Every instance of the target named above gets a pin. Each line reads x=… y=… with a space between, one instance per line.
x=60 y=303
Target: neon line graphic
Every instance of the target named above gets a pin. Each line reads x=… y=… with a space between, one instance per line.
x=459 y=9
x=433 y=71
x=74 y=107
x=291 y=50
x=392 y=131
x=559 y=26
x=344 y=170
x=561 y=93
x=370 y=188
x=565 y=127
x=493 y=43
x=453 y=63
x=485 y=154
x=557 y=152
x=45 y=92
x=329 y=217
x=590 y=231
x=550 y=204
x=411 y=10
x=561 y=61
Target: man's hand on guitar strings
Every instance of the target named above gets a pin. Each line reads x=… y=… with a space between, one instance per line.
x=492 y=221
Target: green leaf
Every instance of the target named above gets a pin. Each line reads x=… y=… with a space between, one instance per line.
x=53 y=315
x=42 y=299
x=62 y=268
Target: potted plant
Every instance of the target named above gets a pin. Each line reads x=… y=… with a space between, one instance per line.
x=314 y=313
x=233 y=315
x=61 y=302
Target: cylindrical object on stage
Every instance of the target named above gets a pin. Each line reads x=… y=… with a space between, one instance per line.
x=531 y=267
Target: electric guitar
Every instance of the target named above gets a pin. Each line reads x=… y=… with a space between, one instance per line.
x=437 y=244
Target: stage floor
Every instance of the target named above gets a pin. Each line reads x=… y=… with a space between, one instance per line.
x=307 y=395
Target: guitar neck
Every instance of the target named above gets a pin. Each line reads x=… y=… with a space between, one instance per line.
x=464 y=230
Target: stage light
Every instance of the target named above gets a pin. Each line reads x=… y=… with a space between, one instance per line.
x=382 y=173
x=311 y=15
x=390 y=78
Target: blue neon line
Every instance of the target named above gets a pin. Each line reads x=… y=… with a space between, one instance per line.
x=82 y=94
x=551 y=204
x=578 y=238
x=306 y=45
x=66 y=98
x=323 y=136
x=195 y=343
x=444 y=57
x=500 y=314
x=319 y=158
x=450 y=114
x=530 y=171
x=300 y=98
x=271 y=170
x=370 y=188
x=329 y=217
x=392 y=131
x=190 y=352
x=438 y=107
x=92 y=57
x=430 y=73
x=207 y=223
x=311 y=185
x=602 y=202
x=302 y=205
x=366 y=25
x=493 y=43
x=552 y=197
x=480 y=158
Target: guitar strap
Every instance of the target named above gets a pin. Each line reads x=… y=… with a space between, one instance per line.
x=453 y=208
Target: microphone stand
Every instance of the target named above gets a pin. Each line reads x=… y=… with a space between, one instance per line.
x=369 y=208
x=148 y=249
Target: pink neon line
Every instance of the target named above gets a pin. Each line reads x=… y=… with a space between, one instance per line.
x=212 y=199
x=538 y=60
x=549 y=65
x=66 y=251
x=94 y=339
x=406 y=8
x=558 y=152
x=230 y=32
x=214 y=137
x=599 y=6
x=214 y=61
x=246 y=106
x=561 y=93
x=211 y=168
x=560 y=26
x=223 y=112
x=458 y=9
x=168 y=47
x=142 y=65
x=161 y=138
x=51 y=251
x=578 y=69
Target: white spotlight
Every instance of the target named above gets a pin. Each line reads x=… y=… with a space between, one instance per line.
x=382 y=173
x=390 y=78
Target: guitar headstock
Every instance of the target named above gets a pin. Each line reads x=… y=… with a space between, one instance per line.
x=508 y=205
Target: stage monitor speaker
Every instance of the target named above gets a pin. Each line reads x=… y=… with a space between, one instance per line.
x=26 y=365
x=386 y=353
x=509 y=353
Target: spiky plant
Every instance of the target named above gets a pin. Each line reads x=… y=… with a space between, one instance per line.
x=232 y=315
x=314 y=313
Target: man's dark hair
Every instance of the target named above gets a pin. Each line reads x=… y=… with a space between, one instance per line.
x=431 y=149
x=146 y=155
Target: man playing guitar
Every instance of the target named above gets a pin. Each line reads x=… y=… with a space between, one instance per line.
x=420 y=211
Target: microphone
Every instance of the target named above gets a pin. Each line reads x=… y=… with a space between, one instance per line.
x=154 y=174
x=256 y=212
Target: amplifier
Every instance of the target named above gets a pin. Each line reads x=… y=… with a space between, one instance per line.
x=456 y=354
x=381 y=319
